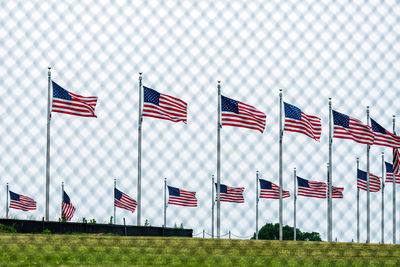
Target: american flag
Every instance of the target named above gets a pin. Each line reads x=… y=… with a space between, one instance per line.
x=68 y=209
x=21 y=202
x=383 y=137
x=73 y=104
x=123 y=201
x=160 y=106
x=181 y=197
x=396 y=161
x=390 y=174
x=348 y=128
x=337 y=192
x=374 y=181
x=297 y=121
x=230 y=194
x=238 y=114
x=271 y=190
x=308 y=188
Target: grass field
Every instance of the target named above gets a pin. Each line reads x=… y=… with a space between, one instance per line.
x=100 y=250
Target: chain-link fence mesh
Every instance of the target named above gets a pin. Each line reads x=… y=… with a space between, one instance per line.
x=313 y=50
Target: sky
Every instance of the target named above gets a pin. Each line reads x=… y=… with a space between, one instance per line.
x=312 y=50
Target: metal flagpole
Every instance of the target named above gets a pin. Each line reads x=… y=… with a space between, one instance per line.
x=212 y=207
x=368 y=195
x=294 y=204
x=139 y=179
x=328 y=202
x=383 y=202
x=257 y=199
x=280 y=167
x=330 y=174
x=219 y=162
x=48 y=144
x=165 y=202
x=394 y=189
x=358 y=205
x=115 y=186
x=62 y=199
x=7 y=201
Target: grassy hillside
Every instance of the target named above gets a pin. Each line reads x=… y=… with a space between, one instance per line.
x=98 y=250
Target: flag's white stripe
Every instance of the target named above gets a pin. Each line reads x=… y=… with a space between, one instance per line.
x=173 y=100
x=274 y=194
x=150 y=109
x=243 y=117
x=72 y=104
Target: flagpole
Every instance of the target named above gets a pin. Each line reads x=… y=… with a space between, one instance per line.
x=280 y=167
x=383 y=202
x=7 y=201
x=115 y=186
x=48 y=144
x=358 y=205
x=368 y=195
x=294 y=204
x=165 y=202
x=330 y=174
x=139 y=179
x=219 y=161
x=328 y=202
x=62 y=199
x=394 y=189
x=212 y=207
x=257 y=199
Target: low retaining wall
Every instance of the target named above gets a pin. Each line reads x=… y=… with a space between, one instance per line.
x=29 y=226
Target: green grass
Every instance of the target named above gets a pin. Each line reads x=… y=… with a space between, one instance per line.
x=100 y=250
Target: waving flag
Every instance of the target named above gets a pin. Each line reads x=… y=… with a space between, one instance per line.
x=123 y=201
x=383 y=137
x=73 y=104
x=396 y=161
x=308 y=188
x=390 y=174
x=21 y=202
x=161 y=106
x=230 y=194
x=337 y=192
x=68 y=209
x=238 y=114
x=348 y=128
x=374 y=181
x=271 y=190
x=297 y=121
x=181 y=197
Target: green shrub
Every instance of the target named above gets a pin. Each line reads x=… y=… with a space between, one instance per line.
x=7 y=229
x=46 y=232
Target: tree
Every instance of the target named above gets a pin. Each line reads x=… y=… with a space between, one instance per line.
x=271 y=232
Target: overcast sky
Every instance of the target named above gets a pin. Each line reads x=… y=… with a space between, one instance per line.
x=313 y=50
